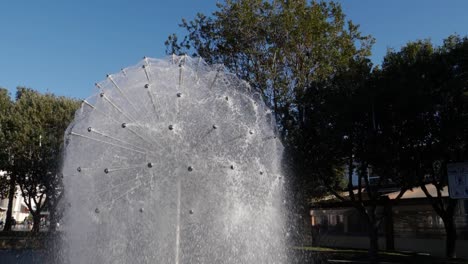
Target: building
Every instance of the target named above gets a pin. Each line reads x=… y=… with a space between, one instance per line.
x=416 y=227
x=20 y=210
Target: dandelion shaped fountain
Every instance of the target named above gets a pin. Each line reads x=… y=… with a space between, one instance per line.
x=173 y=161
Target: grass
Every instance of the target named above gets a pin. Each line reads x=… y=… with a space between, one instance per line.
x=349 y=250
x=330 y=255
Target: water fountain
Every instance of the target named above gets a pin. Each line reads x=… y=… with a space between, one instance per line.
x=173 y=161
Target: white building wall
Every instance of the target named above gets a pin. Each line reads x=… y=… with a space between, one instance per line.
x=18 y=207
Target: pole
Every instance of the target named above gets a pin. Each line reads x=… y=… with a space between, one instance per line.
x=177 y=244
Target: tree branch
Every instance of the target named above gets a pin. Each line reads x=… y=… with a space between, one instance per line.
x=337 y=195
x=434 y=203
x=402 y=192
x=26 y=199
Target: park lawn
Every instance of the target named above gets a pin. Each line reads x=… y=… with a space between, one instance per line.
x=350 y=255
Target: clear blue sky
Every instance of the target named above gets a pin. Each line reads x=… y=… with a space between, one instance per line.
x=65 y=46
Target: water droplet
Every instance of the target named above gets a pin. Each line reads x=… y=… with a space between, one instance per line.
x=261 y=172
x=96 y=210
x=101 y=94
x=251 y=132
x=150 y=165
x=171 y=127
x=78 y=169
x=190 y=168
x=227 y=98
x=146 y=86
x=90 y=129
x=232 y=167
x=124 y=125
x=106 y=170
x=190 y=211
x=215 y=126
x=141 y=210
x=179 y=94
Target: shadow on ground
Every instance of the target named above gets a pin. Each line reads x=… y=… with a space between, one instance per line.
x=328 y=255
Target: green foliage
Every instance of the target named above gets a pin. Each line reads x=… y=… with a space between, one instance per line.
x=289 y=51
x=5 y=107
x=402 y=122
x=424 y=101
x=38 y=123
x=424 y=112
x=280 y=47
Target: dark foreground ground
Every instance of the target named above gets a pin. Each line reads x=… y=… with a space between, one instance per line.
x=22 y=256
x=302 y=256
x=329 y=255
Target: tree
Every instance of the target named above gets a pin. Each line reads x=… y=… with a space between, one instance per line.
x=284 y=49
x=343 y=136
x=5 y=106
x=8 y=181
x=426 y=92
x=280 y=47
x=36 y=148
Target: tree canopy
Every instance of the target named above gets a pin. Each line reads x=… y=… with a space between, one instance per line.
x=424 y=109
x=38 y=122
x=335 y=111
x=292 y=52
x=280 y=47
x=5 y=108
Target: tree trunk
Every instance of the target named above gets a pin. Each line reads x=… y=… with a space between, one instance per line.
x=374 y=242
x=53 y=220
x=54 y=211
x=36 y=223
x=389 y=230
x=300 y=234
x=11 y=197
x=451 y=232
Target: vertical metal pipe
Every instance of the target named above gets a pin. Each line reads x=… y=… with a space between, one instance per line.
x=177 y=244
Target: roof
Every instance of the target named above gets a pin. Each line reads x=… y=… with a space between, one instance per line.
x=417 y=192
x=344 y=194
x=414 y=193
